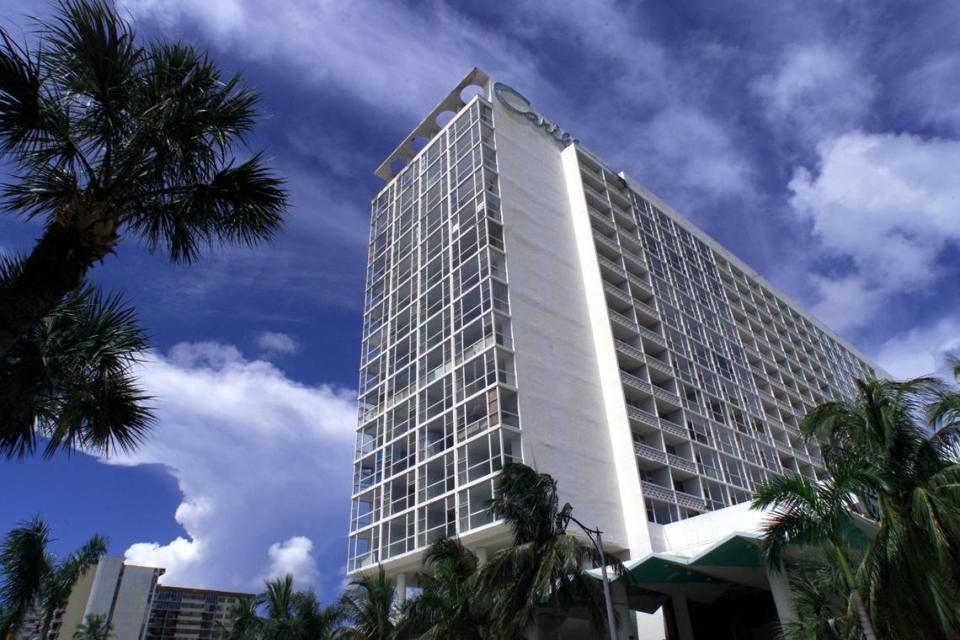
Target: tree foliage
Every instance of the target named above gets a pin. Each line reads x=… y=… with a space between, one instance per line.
x=31 y=579
x=890 y=456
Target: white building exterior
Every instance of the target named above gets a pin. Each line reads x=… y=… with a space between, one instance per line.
x=525 y=301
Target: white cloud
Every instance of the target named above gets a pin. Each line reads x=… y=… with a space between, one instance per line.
x=818 y=90
x=274 y=343
x=293 y=556
x=933 y=92
x=262 y=462
x=390 y=55
x=921 y=351
x=886 y=203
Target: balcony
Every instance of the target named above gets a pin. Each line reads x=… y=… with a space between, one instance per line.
x=674 y=429
x=618 y=293
x=611 y=267
x=602 y=219
x=635 y=258
x=606 y=242
x=622 y=320
x=643 y=417
x=649 y=453
x=634 y=382
x=629 y=350
x=624 y=217
x=659 y=365
x=590 y=191
x=655 y=491
x=648 y=311
x=667 y=396
x=640 y=284
x=690 y=501
x=681 y=463
x=653 y=336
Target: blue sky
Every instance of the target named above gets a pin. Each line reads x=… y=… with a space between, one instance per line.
x=820 y=146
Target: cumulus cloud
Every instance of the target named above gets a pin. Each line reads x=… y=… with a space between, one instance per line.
x=818 y=90
x=273 y=343
x=262 y=462
x=887 y=203
x=922 y=350
x=294 y=557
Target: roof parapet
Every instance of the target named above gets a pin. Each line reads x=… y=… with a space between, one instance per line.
x=428 y=127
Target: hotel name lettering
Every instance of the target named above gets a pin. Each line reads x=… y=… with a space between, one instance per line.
x=516 y=102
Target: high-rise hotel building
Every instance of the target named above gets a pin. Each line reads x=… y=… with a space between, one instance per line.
x=526 y=301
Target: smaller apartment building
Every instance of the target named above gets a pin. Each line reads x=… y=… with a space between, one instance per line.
x=181 y=613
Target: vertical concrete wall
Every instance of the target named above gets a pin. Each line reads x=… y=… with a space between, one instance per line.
x=134 y=598
x=562 y=407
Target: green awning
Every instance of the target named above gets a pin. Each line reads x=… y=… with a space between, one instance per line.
x=736 y=551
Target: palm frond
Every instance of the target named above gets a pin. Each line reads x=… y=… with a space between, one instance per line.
x=71 y=380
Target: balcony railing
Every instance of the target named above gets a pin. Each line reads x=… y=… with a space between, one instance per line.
x=618 y=293
x=646 y=309
x=659 y=365
x=613 y=266
x=691 y=501
x=607 y=242
x=633 y=381
x=629 y=350
x=654 y=336
x=655 y=491
x=622 y=320
x=636 y=281
x=643 y=417
x=675 y=429
x=649 y=453
x=681 y=463
x=591 y=191
x=667 y=396
x=635 y=258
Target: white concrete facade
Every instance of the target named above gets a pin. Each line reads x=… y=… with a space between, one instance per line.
x=121 y=593
x=526 y=302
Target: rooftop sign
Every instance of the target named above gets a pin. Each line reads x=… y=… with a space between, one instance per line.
x=516 y=102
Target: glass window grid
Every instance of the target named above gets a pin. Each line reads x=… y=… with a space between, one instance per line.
x=437 y=383
x=745 y=362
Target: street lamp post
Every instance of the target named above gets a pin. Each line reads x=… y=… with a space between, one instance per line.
x=563 y=519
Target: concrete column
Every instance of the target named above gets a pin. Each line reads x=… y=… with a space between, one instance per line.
x=650 y=626
x=401 y=589
x=627 y=626
x=782 y=598
x=682 y=614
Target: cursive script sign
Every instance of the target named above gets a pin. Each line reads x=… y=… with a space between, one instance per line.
x=514 y=100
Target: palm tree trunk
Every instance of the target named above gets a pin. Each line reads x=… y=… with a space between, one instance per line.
x=866 y=625
x=58 y=264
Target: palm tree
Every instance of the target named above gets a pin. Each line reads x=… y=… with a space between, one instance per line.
x=804 y=512
x=368 y=606
x=96 y=627
x=821 y=600
x=545 y=567
x=110 y=139
x=31 y=579
x=290 y=615
x=113 y=138
x=449 y=606
x=315 y=622
x=245 y=623
x=69 y=379
x=25 y=567
x=913 y=483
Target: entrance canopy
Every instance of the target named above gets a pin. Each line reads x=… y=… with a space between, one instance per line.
x=733 y=562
